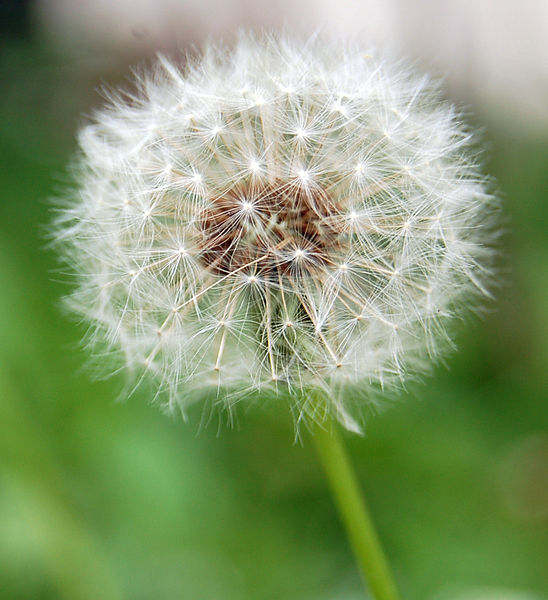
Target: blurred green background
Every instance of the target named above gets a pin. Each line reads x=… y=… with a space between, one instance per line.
x=102 y=499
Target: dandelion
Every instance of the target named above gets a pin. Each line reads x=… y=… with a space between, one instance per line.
x=296 y=219
x=283 y=217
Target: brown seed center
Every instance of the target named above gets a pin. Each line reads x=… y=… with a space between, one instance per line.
x=270 y=230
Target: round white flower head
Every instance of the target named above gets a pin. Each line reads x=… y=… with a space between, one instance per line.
x=283 y=217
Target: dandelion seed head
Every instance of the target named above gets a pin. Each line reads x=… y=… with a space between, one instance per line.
x=282 y=217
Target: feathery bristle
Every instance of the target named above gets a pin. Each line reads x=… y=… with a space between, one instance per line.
x=285 y=216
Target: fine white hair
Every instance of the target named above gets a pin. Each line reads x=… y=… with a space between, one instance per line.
x=298 y=218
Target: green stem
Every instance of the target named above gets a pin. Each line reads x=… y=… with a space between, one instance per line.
x=355 y=514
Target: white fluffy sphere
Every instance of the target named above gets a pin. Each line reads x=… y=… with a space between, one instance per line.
x=284 y=217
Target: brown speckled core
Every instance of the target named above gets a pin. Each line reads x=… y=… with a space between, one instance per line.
x=270 y=230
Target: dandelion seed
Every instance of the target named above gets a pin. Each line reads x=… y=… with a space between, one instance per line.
x=254 y=166
x=332 y=212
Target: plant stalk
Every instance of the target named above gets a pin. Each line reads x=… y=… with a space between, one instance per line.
x=355 y=514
